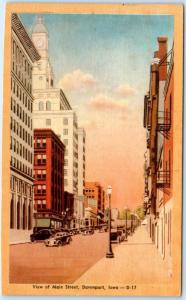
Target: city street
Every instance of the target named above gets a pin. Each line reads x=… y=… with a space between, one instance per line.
x=36 y=263
x=83 y=261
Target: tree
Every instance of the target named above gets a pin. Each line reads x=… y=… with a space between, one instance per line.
x=123 y=213
x=140 y=212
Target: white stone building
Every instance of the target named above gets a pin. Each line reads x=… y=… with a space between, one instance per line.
x=23 y=55
x=52 y=110
x=81 y=173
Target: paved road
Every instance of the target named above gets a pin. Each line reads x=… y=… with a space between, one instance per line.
x=35 y=263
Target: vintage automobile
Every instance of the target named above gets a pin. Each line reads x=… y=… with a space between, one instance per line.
x=102 y=229
x=59 y=239
x=116 y=236
x=88 y=231
x=122 y=234
x=41 y=235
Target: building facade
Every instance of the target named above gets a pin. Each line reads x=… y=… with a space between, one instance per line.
x=94 y=203
x=48 y=179
x=158 y=121
x=23 y=56
x=81 y=175
x=52 y=110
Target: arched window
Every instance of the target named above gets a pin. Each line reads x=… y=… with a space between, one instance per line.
x=41 y=106
x=24 y=216
x=30 y=216
x=48 y=105
x=18 y=215
x=12 y=213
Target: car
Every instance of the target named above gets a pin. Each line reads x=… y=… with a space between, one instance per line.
x=144 y=222
x=59 y=239
x=122 y=234
x=115 y=236
x=102 y=229
x=88 y=231
x=41 y=235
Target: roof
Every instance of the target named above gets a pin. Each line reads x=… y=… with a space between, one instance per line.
x=24 y=38
x=39 y=27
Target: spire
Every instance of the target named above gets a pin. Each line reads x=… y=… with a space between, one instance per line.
x=39 y=27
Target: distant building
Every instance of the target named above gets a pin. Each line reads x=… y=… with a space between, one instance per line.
x=23 y=55
x=94 y=202
x=49 y=179
x=158 y=121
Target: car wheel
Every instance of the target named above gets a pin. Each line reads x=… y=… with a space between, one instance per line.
x=32 y=239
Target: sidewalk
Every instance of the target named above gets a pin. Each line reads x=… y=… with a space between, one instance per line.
x=19 y=236
x=135 y=261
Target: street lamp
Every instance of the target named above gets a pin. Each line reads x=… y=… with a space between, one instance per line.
x=126 y=223
x=109 y=253
x=131 y=219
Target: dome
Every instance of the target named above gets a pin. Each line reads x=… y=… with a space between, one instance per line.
x=39 y=27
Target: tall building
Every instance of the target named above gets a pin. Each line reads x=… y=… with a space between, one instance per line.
x=52 y=110
x=23 y=55
x=158 y=121
x=81 y=174
x=94 y=203
x=49 y=179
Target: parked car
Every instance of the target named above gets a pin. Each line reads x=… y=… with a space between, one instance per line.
x=88 y=231
x=121 y=233
x=144 y=222
x=59 y=239
x=41 y=235
x=115 y=236
x=103 y=229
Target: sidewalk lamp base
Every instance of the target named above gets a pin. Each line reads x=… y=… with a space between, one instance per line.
x=110 y=255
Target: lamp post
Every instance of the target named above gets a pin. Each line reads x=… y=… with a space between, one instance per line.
x=109 y=253
x=131 y=219
x=126 y=222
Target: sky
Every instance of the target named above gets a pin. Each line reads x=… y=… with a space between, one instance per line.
x=102 y=63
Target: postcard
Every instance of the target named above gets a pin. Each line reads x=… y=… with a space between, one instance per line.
x=92 y=149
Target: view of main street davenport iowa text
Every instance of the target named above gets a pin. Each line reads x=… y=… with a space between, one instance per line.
x=91 y=123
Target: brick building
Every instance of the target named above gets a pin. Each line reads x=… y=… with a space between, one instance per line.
x=158 y=121
x=95 y=202
x=49 y=179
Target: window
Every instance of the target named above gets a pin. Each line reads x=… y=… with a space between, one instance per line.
x=65 y=121
x=48 y=121
x=65 y=142
x=65 y=172
x=66 y=162
x=48 y=105
x=65 y=131
x=65 y=182
x=41 y=106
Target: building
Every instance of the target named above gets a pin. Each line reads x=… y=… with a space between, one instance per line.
x=81 y=175
x=52 y=110
x=158 y=121
x=94 y=203
x=68 y=213
x=48 y=179
x=23 y=55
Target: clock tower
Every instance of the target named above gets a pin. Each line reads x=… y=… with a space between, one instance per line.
x=42 y=70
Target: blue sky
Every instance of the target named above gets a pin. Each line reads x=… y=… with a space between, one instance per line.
x=102 y=63
x=114 y=48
